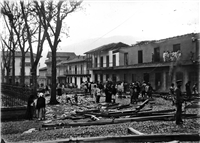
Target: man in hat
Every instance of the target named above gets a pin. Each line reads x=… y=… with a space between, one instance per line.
x=179 y=101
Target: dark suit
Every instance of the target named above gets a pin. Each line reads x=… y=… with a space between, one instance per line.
x=179 y=101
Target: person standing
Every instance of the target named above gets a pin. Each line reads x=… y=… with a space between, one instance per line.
x=41 y=106
x=171 y=92
x=188 y=90
x=179 y=101
x=59 y=91
x=108 y=92
x=194 y=89
x=30 y=107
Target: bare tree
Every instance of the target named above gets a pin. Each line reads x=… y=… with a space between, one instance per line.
x=52 y=14
x=16 y=22
x=10 y=44
x=33 y=27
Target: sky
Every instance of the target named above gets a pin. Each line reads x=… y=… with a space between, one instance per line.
x=101 y=22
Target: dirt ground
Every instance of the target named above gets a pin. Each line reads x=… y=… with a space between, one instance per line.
x=16 y=131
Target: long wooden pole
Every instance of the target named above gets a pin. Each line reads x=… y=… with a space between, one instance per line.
x=109 y=121
x=131 y=138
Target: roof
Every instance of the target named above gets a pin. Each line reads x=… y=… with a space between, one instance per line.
x=62 y=54
x=75 y=60
x=43 y=69
x=19 y=54
x=107 y=47
x=162 y=40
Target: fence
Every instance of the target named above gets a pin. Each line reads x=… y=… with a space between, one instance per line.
x=14 y=95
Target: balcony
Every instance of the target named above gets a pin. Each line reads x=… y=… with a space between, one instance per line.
x=48 y=74
x=101 y=66
x=78 y=73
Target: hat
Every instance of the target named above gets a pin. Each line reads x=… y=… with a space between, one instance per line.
x=41 y=94
x=178 y=81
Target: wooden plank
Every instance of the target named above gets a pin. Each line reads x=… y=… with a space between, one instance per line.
x=131 y=130
x=109 y=121
x=193 y=106
x=173 y=142
x=142 y=105
x=131 y=138
x=87 y=111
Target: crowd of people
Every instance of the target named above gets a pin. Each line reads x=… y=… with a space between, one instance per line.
x=171 y=56
x=111 y=90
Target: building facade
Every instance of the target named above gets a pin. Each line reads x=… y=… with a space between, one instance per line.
x=42 y=76
x=102 y=60
x=159 y=62
x=73 y=71
x=61 y=56
x=28 y=77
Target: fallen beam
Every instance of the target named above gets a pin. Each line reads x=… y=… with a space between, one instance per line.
x=193 y=106
x=173 y=142
x=142 y=105
x=115 y=114
x=87 y=111
x=131 y=130
x=140 y=113
x=132 y=138
x=109 y=121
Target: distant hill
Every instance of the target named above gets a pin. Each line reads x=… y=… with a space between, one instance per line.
x=81 y=47
x=84 y=46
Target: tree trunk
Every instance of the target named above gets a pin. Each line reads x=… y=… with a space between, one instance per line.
x=34 y=79
x=22 y=78
x=53 y=99
x=3 y=74
x=13 y=66
x=7 y=74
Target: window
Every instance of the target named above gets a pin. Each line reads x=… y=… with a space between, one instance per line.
x=95 y=77
x=140 y=56
x=75 y=69
x=101 y=77
x=133 y=78
x=125 y=59
x=156 y=54
x=146 y=77
x=101 y=61
x=176 y=47
x=95 y=62
x=157 y=80
x=81 y=80
x=168 y=80
x=114 y=60
x=125 y=80
x=114 y=78
x=81 y=69
x=75 y=80
x=193 y=77
x=107 y=61
x=27 y=64
x=107 y=77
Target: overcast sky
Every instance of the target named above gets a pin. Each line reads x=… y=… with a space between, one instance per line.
x=107 y=21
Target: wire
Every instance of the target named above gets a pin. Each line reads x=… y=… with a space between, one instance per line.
x=112 y=29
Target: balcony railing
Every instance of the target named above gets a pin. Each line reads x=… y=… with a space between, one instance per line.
x=78 y=72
